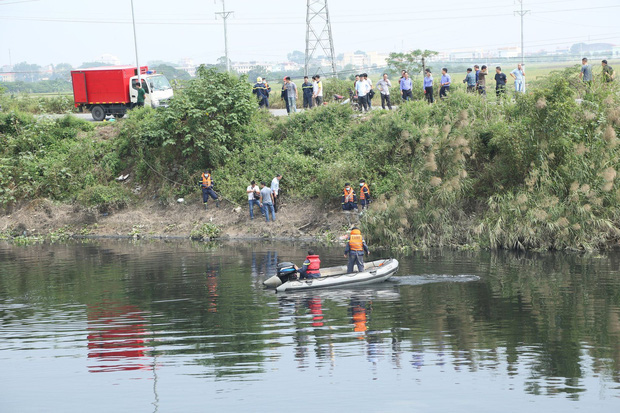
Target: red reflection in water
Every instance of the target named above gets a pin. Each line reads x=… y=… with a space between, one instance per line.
x=117 y=338
x=316 y=309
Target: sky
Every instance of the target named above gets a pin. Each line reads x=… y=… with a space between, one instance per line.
x=76 y=31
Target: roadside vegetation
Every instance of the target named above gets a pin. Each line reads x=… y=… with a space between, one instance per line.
x=535 y=172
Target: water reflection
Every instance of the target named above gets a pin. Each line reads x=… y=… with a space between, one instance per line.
x=117 y=338
x=543 y=326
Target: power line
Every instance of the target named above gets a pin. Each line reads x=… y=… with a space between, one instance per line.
x=264 y=22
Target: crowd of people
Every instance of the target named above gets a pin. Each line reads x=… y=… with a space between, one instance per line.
x=364 y=90
x=312 y=93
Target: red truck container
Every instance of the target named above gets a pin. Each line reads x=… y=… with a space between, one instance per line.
x=105 y=90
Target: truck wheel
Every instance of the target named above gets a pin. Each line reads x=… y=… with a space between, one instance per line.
x=98 y=113
x=119 y=115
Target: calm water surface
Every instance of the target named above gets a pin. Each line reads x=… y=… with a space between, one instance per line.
x=179 y=327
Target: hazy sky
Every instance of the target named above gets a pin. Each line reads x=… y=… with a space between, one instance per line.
x=75 y=31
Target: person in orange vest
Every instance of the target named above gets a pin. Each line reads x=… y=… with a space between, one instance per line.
x=364 y=194
x=207 y=189
x=355 y=249
x=311 y=267
x=348 y=198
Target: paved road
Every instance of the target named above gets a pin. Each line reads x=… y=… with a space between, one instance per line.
x=89 y=117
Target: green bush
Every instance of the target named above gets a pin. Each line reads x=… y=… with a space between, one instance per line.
x=205 y=231
x=105 y=198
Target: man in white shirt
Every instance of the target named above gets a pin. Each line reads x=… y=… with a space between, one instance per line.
x=361 y=91
x=371 y=92
x=318 y=93
x=275 y=187
x=315 y=89
x=253 y=197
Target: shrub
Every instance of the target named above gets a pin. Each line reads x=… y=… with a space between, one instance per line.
x=104 y=198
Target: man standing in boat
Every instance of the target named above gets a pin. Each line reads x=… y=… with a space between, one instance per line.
x=311 y=267
x=355 y=249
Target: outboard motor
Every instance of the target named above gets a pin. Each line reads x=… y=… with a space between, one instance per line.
x=286 y=272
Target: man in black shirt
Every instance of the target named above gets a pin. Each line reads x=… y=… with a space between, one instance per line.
x=500 y=83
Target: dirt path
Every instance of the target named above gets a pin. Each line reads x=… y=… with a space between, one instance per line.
x=295 y=220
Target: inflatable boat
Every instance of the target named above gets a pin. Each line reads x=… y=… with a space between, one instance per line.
x=287 y=278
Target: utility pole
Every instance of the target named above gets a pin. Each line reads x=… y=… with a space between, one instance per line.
x=225 y=15
x=522 y=13
x=319 y=34
x=135 y=42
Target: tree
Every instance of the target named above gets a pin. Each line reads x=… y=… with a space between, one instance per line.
x=26 y=72
x=258 y=71
x=62 y=71
x=296 y=57
x=221 y=64
x=413 y=61
x=171 y=72
x=86 y=65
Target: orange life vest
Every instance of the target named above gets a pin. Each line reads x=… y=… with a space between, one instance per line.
x=356 y=242
x=362 y=193
x=206 y=180
x=315 y=264
x=349 y=196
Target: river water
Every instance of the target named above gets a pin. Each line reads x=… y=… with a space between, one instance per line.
x=117 y=326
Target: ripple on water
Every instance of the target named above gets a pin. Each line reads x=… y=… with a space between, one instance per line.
x=434 y=278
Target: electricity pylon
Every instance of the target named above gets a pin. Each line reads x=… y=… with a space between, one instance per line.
x=319 y=34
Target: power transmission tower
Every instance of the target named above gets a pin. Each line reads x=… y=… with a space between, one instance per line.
x=319 y=34
x=225 y=15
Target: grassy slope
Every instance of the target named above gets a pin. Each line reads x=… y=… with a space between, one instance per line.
x=538 y=172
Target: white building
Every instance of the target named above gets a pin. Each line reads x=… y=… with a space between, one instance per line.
x=509 y=52
x=188 y=65
x=245 y=67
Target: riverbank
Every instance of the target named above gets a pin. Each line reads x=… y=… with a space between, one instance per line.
x=43 y=218
x=539 y=172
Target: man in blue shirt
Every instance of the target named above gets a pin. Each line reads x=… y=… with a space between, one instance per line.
x=405 y=87
x=470 y=80
x=445 y=83
x=519 y=76
x=428 y=86
x=586 y=72
x=477 y=70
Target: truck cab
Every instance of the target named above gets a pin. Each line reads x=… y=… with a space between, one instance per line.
x=157 y=90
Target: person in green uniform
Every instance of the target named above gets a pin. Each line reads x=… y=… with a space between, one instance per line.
x=608 y=72
x=141 y=94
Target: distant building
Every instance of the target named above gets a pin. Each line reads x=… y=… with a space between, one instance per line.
x=509 y=52
x=360 y=61
x=615 y=51
x=188 y=65
x=7 y=76
x=245 y=67
x=286 y=67
x=463 y=54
